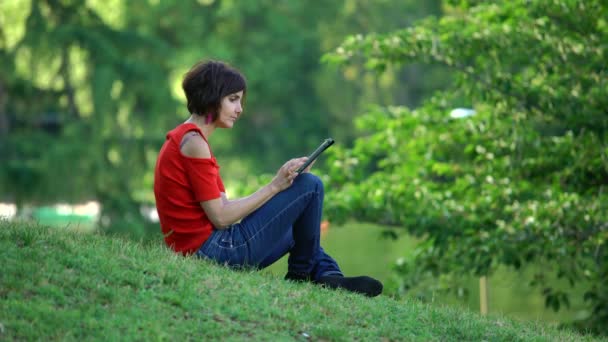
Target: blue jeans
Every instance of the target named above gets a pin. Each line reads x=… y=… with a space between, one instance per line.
x=290 y=222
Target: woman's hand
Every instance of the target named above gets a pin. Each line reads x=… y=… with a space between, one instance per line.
x=307 y=169
x=286 y=174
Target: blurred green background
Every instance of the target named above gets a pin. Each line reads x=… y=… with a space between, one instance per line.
x=471 y=135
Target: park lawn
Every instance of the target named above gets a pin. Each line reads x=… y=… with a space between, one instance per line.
x=58 y=284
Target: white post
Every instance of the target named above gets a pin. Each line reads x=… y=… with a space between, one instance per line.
x=483 y=295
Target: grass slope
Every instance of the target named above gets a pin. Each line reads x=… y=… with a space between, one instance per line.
x=57 y=284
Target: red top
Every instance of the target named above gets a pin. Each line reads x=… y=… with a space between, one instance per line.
x=180 y=184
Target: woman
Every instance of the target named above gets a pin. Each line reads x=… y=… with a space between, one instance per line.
x=282 y=217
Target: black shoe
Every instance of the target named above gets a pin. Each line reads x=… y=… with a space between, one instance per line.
x=363 y=284
x=297 y=277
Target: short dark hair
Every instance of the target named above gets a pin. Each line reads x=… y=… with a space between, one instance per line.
x=207 y=83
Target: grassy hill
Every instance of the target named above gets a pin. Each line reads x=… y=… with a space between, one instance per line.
x=57 y=284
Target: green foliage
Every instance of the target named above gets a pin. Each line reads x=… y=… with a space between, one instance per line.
x=523 y=180
x=81 y=106
x=95 y=85
x=53 y=288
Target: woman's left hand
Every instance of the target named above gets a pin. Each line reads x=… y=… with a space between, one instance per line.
x=307 y=169
x=286 y=174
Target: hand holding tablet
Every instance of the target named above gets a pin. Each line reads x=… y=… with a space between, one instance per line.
x=328 y=142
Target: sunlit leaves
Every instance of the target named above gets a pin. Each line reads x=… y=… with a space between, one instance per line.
x=12 y=22
x=112 y=12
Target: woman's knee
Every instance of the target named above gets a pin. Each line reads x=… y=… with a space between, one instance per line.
x=310 y=180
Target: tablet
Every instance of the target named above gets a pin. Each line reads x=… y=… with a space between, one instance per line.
x=328 y=142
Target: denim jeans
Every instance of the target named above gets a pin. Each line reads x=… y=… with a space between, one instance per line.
x=289 y=222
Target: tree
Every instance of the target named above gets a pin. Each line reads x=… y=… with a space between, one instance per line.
x=83 y=107
x=94 y=87
x=294 y=102
x=522 y=181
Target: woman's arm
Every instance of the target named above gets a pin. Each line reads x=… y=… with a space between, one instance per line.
x=223 y=212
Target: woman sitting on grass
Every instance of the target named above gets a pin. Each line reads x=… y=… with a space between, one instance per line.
x=282 y=217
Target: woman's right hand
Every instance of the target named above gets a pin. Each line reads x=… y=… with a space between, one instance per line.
x=287 y=173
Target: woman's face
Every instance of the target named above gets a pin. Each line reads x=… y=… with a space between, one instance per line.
x=230 y=110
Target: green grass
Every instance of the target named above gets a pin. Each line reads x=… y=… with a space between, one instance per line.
x=57 y=284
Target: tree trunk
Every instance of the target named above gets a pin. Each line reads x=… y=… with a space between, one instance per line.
x=4 y=123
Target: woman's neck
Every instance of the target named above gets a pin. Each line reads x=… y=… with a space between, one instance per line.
x=199 y=121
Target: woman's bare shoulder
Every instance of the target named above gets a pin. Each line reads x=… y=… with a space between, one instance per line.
x=193 y=145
